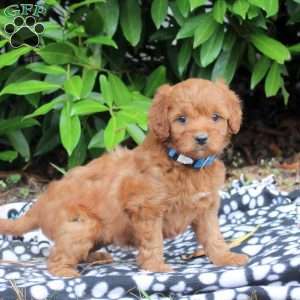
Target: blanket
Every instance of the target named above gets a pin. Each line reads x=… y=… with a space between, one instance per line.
x=273 y=271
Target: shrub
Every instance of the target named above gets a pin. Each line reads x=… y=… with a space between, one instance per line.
x=88 y=85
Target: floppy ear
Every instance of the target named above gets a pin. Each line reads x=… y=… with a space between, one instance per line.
x=158 y=114
x=235 y=118
x=235 y=110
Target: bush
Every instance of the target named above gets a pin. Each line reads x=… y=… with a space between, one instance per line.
x=88 y=85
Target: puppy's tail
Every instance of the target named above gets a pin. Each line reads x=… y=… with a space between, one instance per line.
x=22 y=225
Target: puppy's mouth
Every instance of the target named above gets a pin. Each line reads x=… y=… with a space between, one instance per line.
x=194 y=150
x=201 y=151
x=201 y=148
x=198 y=152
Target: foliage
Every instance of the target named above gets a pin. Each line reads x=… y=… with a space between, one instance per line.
x=88 y=86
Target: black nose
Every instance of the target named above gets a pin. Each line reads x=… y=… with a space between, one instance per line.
x=201 y=138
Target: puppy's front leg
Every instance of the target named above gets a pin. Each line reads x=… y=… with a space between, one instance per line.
x=148 y=233
x=207 y=230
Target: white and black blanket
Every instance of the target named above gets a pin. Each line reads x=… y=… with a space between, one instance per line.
x=273 y=271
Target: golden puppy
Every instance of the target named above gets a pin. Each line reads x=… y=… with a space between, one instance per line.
x=142 y=196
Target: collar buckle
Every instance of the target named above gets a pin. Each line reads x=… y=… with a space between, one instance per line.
x=185 y=160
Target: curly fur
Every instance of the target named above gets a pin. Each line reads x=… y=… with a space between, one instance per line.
x=139 y=197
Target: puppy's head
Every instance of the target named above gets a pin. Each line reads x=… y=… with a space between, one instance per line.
x=196 y=116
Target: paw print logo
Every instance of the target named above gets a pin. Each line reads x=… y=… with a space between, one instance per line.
x=24 y=31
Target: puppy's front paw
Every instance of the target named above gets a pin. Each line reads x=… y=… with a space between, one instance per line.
x=64 y=272
x=231 y=259
x=157 y=267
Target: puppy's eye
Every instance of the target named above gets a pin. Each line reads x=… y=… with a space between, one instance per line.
x=181 y=119
x=216 y=117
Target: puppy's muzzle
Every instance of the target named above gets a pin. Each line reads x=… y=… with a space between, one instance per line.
x=201 y=138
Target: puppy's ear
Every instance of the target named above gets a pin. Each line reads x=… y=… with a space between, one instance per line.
x=235 y=110
x=158 y=114
x=235 y=119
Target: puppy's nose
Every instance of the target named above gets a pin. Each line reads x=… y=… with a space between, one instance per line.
x=201 y=138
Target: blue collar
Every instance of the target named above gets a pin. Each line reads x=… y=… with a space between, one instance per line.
x=194 y=163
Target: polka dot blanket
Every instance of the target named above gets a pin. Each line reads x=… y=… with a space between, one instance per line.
x=273 y=271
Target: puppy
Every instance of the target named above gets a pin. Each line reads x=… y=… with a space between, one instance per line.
x=139 y=197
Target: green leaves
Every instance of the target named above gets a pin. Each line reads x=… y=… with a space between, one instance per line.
x=49 y=141
x=206 y=27
x=97 y=140
x=88 y=82
x=273 y=80
x=102 y=40
x=9 y=58
x=56 y=53
x=3 y=43
x=131 y=22
x=295 y=49
x=270 y=47
x=15 y=123
x=19 y=143
x=87 y=107
x=110 y=15
x=113 y=133
x=130 y=116
x=189 y=27
x=211 y=48
x=183 y=6
x=285 y=94
x=196 y=3
x=39 y=67
x=159 y=9
x=28 y=87
x=259 y=71
x=120 y=92
x=136 y=112
x=219 y=10
x=270 y=6
x=226 y=64
x=106 y=90
x=253 y=12
x=78 y=156
x=83 y=3
x=58 y=82
x=8 y=155
x=240 y=7
x=44 y=109
x=73 y=86
x=136 y=133
x=69 y=128
x=184 y=56
x=155 y=79
x=229 y=40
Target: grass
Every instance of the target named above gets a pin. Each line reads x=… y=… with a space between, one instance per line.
x=20 y=292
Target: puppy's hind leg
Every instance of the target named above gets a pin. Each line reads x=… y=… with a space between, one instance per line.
x=72 y=245
x=99 y=257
